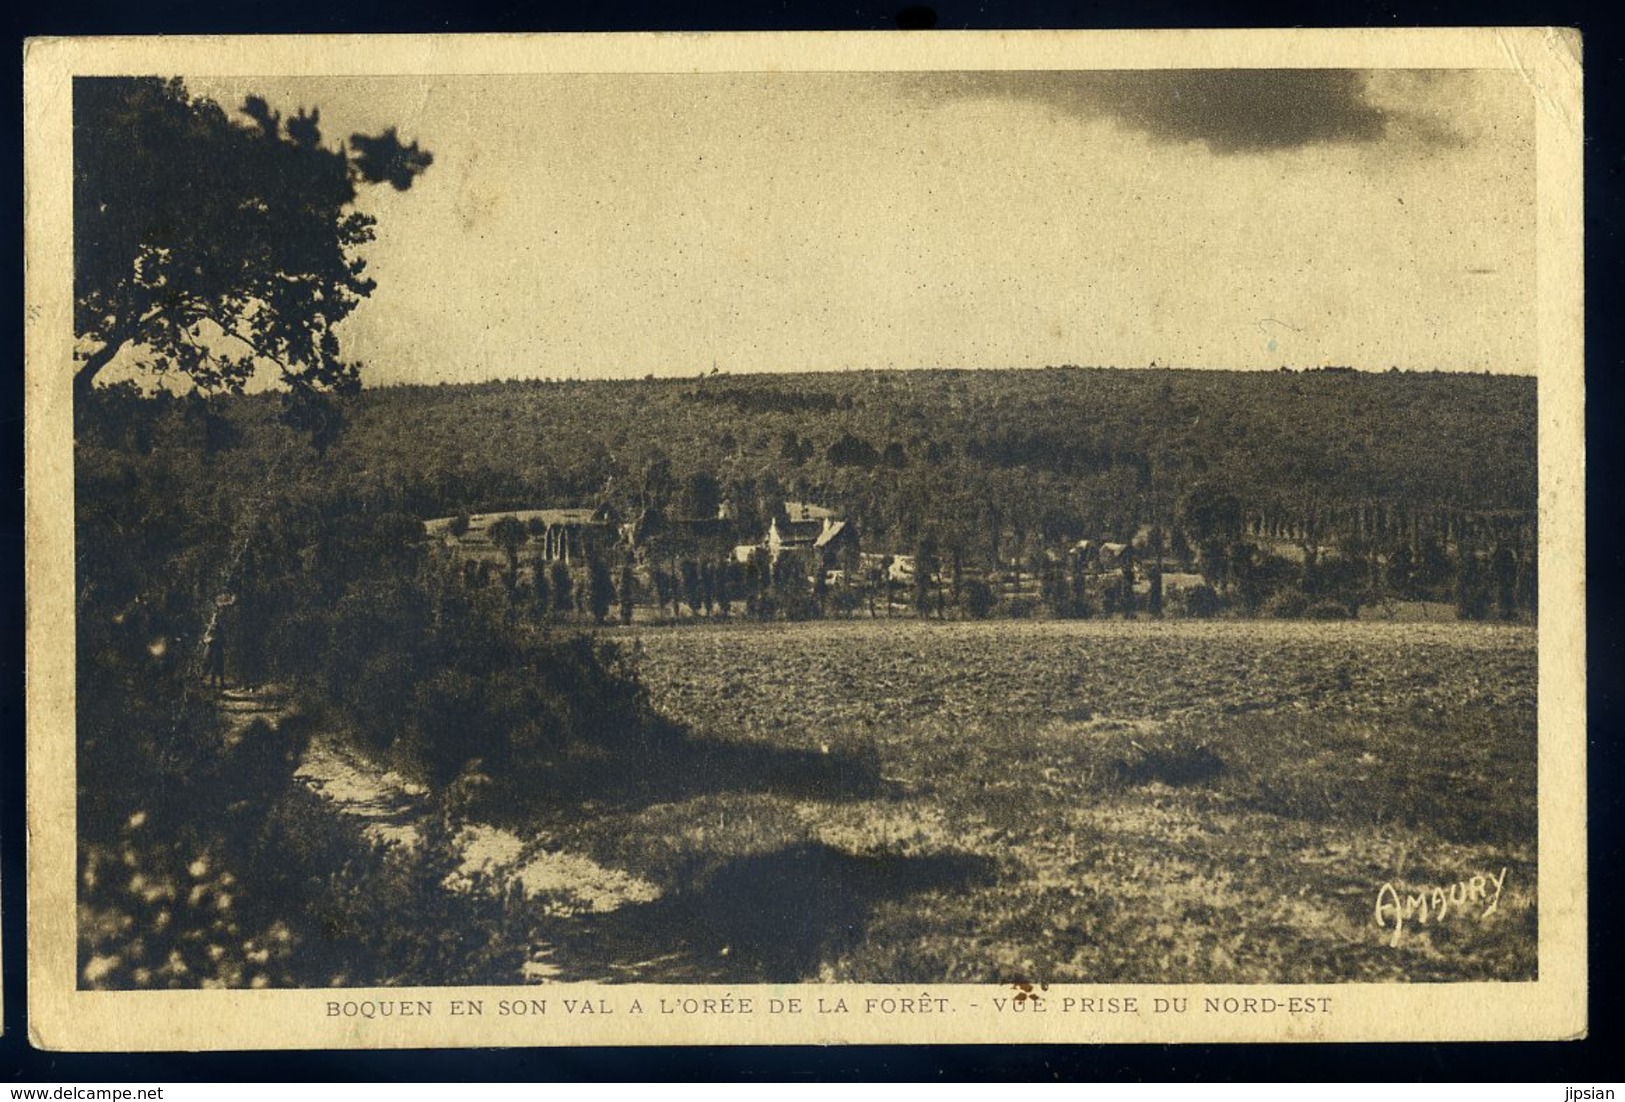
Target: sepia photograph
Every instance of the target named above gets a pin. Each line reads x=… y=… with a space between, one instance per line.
x=1056 y=541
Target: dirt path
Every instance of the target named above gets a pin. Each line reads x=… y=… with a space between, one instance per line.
x=240 y=707
x=392 y=810
x=389 y=807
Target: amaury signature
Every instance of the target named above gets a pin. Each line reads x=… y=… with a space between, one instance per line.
x=1432 y=904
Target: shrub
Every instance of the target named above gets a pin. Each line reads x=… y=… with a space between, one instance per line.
x=978 y=599
x=1288 y=604
x=1202 y=602
x=364 y=913
x=1327 y=610
x=1019 y=608
x=845 y=602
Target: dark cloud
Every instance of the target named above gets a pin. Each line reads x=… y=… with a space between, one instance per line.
x=1230 y=110
x=1243 y=110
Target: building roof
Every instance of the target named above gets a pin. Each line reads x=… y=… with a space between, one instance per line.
x=800 y=512
x=559 y=516
x=831 y=532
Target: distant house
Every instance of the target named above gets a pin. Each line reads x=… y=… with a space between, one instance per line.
x=894 y=568
x=810 y=529
x=562 y=535
x=1113 y=555
x=1102 y=556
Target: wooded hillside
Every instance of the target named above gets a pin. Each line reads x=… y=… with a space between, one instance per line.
x=1044 y=455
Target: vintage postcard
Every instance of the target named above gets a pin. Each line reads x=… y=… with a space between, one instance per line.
x=761 y=539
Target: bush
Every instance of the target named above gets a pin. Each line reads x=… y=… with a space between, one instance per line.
x=1020 y=608
x=1327 y=610
x=1202 y=602
x=977 y=598
x=1288 y=604
x=365 y=913
x=845 y=602
x=1075 y=607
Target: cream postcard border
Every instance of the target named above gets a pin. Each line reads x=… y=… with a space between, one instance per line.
x=62 y=1017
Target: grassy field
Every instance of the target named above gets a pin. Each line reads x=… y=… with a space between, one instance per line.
x=1074 y=802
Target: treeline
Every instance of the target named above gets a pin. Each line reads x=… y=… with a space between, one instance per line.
x=1163 y=574
x=756 y=400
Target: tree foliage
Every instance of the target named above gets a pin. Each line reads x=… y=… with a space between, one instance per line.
x=217 y=245
x=510 y=534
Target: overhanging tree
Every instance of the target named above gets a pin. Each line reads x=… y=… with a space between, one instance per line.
x=216 y=245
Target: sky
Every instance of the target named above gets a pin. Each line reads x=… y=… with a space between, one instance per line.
x=581 y=225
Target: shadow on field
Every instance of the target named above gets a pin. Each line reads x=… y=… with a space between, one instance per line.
x=704 y=767
x=678 y=768
x=767 y=918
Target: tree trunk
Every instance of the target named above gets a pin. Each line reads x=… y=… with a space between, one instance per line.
x=85 y=377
